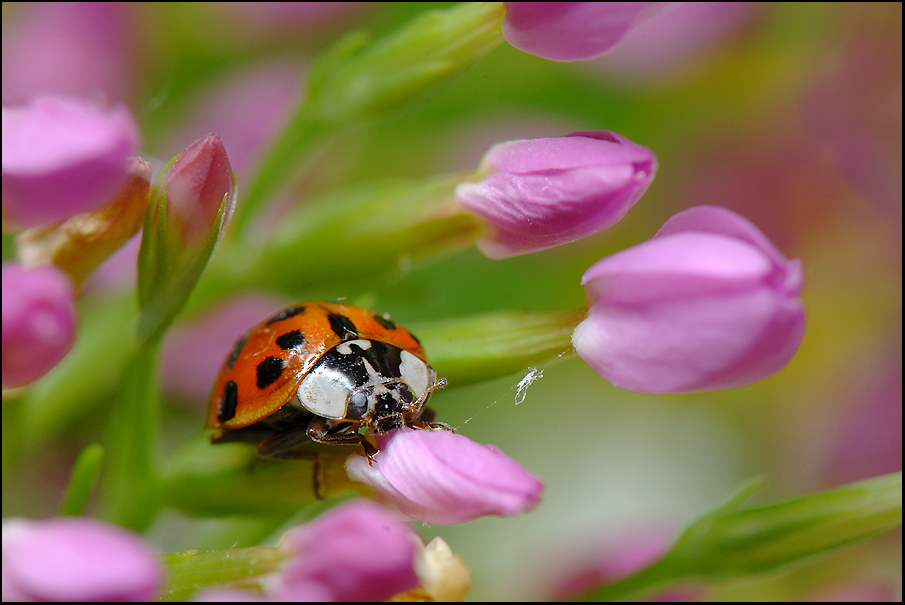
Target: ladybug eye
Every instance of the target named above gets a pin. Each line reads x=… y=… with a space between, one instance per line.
x=358 y=405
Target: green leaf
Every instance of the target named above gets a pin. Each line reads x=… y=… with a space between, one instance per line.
x=206 y=480
x=234 y=568
x=733 y=542
x=85 y=474
x=483 y=347
x=354 y=82
x=130 y=493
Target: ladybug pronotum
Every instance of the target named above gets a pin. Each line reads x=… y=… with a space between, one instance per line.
x=321 y=371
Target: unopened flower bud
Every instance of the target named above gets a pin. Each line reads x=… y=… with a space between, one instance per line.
x=708 y=303
x=358 y=551
x=440 y=477
x=574 y=31
x=190 y=207
x=38 y=321
x=546 y=192
x=77 y=559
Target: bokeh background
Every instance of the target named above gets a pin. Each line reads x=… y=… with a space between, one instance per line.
x=788 y=113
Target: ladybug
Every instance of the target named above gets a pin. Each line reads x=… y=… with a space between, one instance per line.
x=321 y=371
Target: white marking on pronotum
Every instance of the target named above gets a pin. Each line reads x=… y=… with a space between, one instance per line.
x=521 y=390
x=415 y=373
x=346 y=349
x=321 y=394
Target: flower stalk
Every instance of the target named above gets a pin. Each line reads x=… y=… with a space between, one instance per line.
x=742 y=542
x=356 y=81
x=191 y=205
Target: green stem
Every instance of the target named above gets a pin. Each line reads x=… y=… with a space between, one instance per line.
x=471 y=349
x=129 y=495
x=84 y=476
x=355 y=81
x=235 y=568
x=731 y=542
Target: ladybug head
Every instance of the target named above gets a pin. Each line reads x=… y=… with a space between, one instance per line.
x=385 y=407
x=375 y=384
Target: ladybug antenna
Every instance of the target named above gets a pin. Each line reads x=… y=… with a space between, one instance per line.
x=441 y=382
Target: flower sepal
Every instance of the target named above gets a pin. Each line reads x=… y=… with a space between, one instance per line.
x=81 y=243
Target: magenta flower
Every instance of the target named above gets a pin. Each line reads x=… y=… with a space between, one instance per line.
x=440 y=477
x=358 y=551
x=547 y=192
x=77 y=559
x=574 y=31
x=62 y=157
x=38 y=321
x=708 y=303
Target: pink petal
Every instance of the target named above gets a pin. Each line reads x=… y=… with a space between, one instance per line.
x=574 y=31
x=38 y=321
x=63 y=157
x=708 y=303
x=358 y=551
x=441 y=477
x=78 y=559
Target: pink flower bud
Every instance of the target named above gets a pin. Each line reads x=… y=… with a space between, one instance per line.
x=199 y=182
x=62 y=157
x=440 y=477
x=573 y=31
x=191 y=204
x=77 y=559
x=38 y=321
x=708 y=303
x=358 y=551
x=546 y=192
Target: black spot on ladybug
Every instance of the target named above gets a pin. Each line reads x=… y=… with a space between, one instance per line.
x=268 y=371
x=343 y=326
x=285 y=314
x=386 y=322
x=228 y=402
x=385 y=359
x=291 y=340
x=235 y=354
x=350 y=366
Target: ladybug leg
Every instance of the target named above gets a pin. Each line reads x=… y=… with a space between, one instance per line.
x=278 y=445
x=323 y=430
x=281 y=446
x=426 y=421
